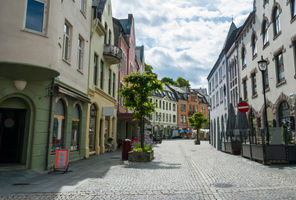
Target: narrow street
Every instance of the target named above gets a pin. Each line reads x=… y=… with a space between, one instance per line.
x=180 y=170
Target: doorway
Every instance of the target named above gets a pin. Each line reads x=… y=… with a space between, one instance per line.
x=12 y=129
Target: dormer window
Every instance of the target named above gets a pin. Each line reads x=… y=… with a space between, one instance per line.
x=276 y=21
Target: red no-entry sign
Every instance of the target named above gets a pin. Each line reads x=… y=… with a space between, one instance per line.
x=243 y=107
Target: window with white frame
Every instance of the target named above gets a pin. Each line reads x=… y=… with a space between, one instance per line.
x=80 y=52
x=293 y=8
x=66 y=41
x=254 y=45
x=279 y=62
x=36 y=15
x=276 y=21
x=244 y=61
x=83 y=5
x=265 y=32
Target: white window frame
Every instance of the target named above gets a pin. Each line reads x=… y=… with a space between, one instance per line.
x=80 y=52
x=67 y=36
x=45 y=18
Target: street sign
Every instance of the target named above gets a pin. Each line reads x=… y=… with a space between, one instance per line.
x=243 y=107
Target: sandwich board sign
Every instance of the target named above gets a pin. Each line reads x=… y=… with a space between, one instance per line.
x=62 y=160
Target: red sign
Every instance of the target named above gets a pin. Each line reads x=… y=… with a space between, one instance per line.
x=62 y=157
x=243 y=107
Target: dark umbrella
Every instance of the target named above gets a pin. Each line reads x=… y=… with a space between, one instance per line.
x=242 y=123
x=231 y=120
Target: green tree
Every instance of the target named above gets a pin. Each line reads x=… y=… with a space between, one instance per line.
x=181 y=82
x=168 y=80
x=197 y=121
x=148 y=69
x=136 y=92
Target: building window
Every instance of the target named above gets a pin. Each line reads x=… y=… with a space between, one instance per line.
x=156 y=103
x=265 y=32
x=102 y=75
x=66 y=42
x=190 y=108
x=35 y=15
x=95 y=69
x=167 y=117
x=159 y=103
x=105 y=35
x=113 y=87
x=109 y=81
x=266 y=81
x=110 y=34
x=174 y=118
x=276 y=21
x=244 y=57
x=174 y=107
x=80 y=53
x=123 y=63
x=184 y=107
x=76 y=117
x=279 y=68
x=163 y=105
x=170 y=106
x=92 y=128
x=254 y=84
x=166 y=105
x=245 y=89
x=254 y=45
x=58 y=127
x=163 y=117
x=284 y=113
x=293 y=8
x=82 y=5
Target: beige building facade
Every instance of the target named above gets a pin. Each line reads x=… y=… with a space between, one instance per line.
x=103 y=81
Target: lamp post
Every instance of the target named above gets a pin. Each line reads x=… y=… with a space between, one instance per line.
x=262 y=65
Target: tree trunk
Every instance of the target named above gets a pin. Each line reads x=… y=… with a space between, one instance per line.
x=142 y=133
x=197 y=137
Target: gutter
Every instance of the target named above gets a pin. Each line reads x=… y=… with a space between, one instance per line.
x=49 y=122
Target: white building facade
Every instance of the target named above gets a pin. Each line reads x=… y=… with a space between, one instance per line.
x=269 y=32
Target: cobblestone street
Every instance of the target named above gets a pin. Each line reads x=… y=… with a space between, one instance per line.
x=180 y=170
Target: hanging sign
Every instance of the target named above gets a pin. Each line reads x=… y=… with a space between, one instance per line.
x=62 y=159
x=243 y=107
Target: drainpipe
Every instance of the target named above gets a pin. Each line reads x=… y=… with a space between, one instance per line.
x=50 y=93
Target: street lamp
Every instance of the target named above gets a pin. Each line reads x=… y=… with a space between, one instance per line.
x=262 y=65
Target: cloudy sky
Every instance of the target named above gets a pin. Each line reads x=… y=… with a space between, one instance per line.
x=183 y=37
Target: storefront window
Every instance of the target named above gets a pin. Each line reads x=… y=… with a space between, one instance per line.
x=284 y=113
x=58 y=127
x=75 y=128
x=92 y=128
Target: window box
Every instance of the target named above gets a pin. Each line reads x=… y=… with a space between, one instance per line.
x=254 y=96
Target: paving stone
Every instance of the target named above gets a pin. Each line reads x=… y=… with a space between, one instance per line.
x=181 y=170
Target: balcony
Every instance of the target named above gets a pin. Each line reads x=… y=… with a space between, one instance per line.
x=112 y=54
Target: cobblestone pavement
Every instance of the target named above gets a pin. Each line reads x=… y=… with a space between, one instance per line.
x=180 y=170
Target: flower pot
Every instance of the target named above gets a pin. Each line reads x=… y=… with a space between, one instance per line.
x=140 y=156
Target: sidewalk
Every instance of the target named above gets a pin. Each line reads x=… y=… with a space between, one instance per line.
x=29 y=181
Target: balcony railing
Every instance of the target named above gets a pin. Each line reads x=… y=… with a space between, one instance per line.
x=112 y=54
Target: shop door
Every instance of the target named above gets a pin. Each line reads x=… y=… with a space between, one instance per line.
x=12 y=125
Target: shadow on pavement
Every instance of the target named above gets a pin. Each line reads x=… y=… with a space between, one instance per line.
x=153 y=165
x=28 y=181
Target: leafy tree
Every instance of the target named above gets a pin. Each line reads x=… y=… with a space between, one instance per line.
x=148 y=69
x=136 y=92
x=197 y=121
x=181 y=82
x=168 y=80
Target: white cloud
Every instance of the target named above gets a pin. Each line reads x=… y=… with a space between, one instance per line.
x=182 y=36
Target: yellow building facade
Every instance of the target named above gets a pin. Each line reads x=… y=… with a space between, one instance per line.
x=104 y=59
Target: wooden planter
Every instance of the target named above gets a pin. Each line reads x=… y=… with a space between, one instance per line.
x=140 y=156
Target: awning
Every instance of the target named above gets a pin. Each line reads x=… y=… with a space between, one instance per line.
x=26 y=72
x=72 y=92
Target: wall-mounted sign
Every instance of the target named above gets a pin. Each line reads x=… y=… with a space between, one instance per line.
x=108 y=111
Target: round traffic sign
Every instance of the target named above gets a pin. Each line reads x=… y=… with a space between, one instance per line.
x=243 y=107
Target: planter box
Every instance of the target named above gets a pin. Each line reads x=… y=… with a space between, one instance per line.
x=140 y=156
x=247 y=152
